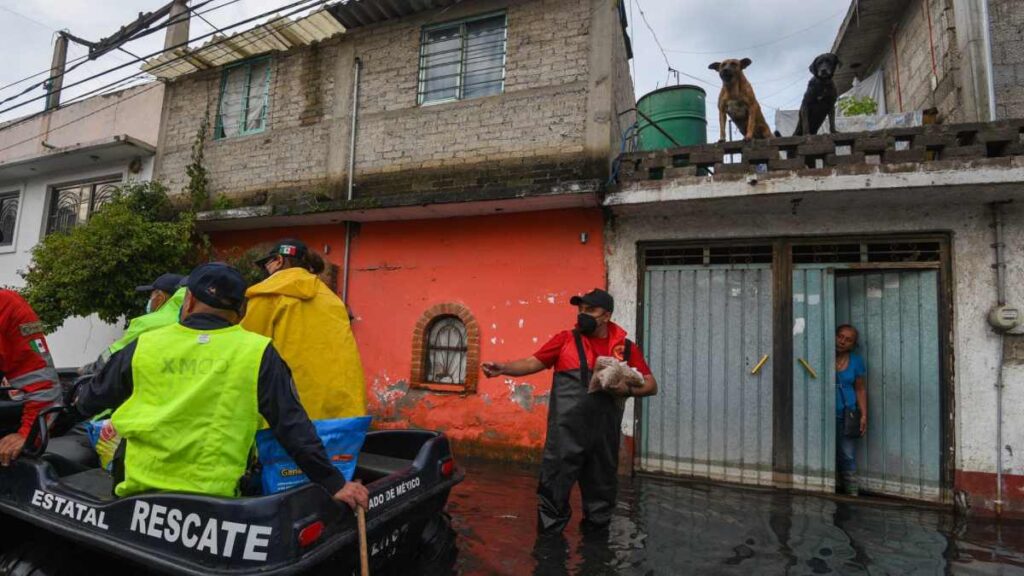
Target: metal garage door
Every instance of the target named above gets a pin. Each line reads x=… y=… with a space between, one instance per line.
x=708 y=336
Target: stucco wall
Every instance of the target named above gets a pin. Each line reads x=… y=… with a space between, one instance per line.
x=515 y=275
x=975 y=345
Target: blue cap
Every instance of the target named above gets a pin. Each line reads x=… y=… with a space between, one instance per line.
x=218 y=285
x=165 y=283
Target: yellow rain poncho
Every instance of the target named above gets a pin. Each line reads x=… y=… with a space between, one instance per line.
x=309 y=327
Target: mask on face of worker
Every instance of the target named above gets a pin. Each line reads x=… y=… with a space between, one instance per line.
x=586 y=324
x=149 y=306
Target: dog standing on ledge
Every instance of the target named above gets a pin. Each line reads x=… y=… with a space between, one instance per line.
x=820 y=98
x=737 y=100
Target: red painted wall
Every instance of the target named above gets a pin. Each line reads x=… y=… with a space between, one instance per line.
x=514 y=272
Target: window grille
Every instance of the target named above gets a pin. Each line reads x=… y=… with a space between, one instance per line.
x=75 y=204
x=462 y=60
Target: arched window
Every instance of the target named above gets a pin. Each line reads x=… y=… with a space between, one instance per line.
x=446 y=350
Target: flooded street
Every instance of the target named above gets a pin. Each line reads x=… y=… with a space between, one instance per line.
x=670 y=527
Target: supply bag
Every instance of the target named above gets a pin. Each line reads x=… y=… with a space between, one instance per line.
x=105 y=440
x=343 y=438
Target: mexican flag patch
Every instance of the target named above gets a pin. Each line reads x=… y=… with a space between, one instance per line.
x=39 y=346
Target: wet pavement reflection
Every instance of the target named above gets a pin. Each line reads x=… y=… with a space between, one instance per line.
x=672 y=527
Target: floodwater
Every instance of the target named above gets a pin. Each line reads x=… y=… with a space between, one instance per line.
x=674 y=527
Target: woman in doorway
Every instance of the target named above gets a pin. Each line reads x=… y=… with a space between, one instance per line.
x=851 y=406
x=309 y=326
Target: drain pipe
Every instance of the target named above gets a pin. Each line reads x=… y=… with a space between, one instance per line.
x=351 y=170
x=1000 y=266
x=986 y=39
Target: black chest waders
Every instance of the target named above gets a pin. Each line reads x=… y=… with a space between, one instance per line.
x=582 y=445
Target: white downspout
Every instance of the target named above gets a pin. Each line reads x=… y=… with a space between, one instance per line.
x=351 y=171
x=986 y=38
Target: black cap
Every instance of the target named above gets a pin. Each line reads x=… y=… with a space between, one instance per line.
x=595 y=297
x=288 y=247
x=165 y=283
x=219 y=285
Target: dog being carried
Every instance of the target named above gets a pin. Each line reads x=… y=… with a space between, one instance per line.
x=737 y=101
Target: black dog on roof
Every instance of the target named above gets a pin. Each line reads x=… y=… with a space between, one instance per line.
x=820 y=98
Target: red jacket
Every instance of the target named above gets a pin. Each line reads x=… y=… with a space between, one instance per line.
x=25 y=361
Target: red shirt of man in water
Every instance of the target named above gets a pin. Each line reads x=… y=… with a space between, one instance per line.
x=29 y=378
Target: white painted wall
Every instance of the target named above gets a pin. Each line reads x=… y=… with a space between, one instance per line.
x=79 y=340
x=876 y=212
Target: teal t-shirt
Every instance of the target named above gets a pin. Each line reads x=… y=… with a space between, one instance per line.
x=846 y=392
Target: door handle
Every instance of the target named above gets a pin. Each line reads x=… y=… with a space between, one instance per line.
x=760 y=364
x=814 y=375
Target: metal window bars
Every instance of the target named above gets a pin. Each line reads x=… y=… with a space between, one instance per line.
x=75 y=204
x=463 y=60
x=8 y=218
x=446 y=352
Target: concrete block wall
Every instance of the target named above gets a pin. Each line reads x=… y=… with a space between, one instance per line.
x=291 y=152
x=541 y=113
x=1008 y=56
x=914 y=46
x=543 y=117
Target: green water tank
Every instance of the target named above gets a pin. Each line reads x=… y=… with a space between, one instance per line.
x=680 y=111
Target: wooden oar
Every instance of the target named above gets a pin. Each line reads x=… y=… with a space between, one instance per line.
x=364 y=558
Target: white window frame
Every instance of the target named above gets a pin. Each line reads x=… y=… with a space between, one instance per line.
x=18 y=193
x=421 y=85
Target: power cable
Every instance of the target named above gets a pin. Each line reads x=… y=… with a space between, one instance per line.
x=763 y=44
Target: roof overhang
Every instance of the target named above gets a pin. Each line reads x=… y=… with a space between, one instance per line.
x=357 y=13
x=574 y=195
x=77 y=157
x=277 y=35
x=863 y=36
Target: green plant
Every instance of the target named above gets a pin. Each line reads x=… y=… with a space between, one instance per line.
x=244 y=260
x=198 y=178
x=858 y=106
x=222 y=202
x=94 y=268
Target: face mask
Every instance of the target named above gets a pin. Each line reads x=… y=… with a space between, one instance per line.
x=149 y=306
x=586 y=324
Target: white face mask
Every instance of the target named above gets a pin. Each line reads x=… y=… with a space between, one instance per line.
x=149 y=306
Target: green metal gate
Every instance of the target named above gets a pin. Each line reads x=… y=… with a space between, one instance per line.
x=897 y=314
x=708 y=336
x=814 y=453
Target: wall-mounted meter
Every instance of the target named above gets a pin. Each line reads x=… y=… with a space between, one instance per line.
x=1004 y=318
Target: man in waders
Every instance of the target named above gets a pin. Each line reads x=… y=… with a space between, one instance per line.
x=191 y=395
x=582 y=441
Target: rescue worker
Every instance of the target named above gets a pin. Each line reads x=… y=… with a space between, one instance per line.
x=30 y=381
x=166 y=294
x=309 y=325
x=163 y=306
x=191 y=396
x=582 y=442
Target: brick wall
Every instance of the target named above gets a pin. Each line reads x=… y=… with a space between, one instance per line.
x=1008 y=56
x=542 y=114
x=913 y=45
x=623 y=94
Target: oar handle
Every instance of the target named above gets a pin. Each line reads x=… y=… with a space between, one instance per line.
x=364 y=559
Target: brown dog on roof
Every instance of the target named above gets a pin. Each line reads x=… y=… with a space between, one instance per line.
x=737 y=100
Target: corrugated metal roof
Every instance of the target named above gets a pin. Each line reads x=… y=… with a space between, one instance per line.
x=356 y=13
x=283 y=34
x=864 y=36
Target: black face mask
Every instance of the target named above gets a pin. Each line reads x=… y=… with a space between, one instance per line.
x=586 y=324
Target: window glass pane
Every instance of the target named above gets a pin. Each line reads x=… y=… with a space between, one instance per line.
x=258 y=87
x=8 y=218
x=446 y=352
x=68 y=207
x=103 y=192
x=440 y=64
x=485 y=57
x=231 y=101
